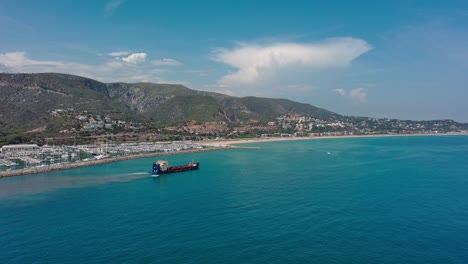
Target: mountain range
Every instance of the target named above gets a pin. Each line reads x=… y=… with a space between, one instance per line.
x=27 y=100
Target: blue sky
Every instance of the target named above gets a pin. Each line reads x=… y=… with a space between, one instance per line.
x=397 y=59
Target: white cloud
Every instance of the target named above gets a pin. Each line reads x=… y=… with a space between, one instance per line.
x=118 y=53
x=135 y=58
x=358 y=95
x=166 y=62
x=16 y=60
x=340 y=91
x=112 y=5
x=109 y=71
x=256 y=63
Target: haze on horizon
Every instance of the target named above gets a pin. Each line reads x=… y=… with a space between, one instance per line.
x=401 y=59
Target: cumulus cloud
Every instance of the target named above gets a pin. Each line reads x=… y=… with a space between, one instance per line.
x=358 y=95
x=110 y=71
x=254 y=62
x=135 y=58
x=166 y=62
x=118 y=53
x=341 y=92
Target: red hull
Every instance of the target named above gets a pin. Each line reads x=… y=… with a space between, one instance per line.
x=157 y=167
x=190 y=166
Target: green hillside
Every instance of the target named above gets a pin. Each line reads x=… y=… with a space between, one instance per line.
x=28 y=99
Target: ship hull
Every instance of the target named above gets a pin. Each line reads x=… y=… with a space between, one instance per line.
x=174 y=169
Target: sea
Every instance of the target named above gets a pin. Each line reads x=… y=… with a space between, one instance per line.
x=351 y=200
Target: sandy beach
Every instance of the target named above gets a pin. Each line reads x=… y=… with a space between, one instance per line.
x=234 y=142
x=211 y=145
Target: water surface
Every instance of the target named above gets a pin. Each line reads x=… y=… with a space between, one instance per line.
x=357 y=200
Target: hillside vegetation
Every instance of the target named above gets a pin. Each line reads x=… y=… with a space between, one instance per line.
x=27 y=100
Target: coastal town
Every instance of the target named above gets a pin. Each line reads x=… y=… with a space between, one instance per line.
x=285 y=125
x=185 y=132
x=108 y=138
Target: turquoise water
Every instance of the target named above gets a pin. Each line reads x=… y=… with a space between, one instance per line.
x=360 y=200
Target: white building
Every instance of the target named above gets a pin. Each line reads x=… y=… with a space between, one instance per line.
x=13 y=150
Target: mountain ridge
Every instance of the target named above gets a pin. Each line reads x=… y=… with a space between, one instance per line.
x=28 y=98
x=60 y=108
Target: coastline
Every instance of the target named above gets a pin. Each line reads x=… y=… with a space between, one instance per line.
x=212 y=145
x=67 y=166
x=234 y=142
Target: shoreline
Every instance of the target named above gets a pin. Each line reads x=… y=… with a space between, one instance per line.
x=277 y=139
x=67 y=166
x=212 y=145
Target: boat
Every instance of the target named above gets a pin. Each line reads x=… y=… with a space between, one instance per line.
x=162 y=167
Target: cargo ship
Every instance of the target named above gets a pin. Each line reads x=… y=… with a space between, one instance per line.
x=162 y=167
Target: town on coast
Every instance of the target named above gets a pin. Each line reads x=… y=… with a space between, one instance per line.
x=25 y=159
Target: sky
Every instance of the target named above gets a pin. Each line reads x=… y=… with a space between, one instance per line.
x=394 y=59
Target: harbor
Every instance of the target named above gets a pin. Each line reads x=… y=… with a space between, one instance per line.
x=16 y=160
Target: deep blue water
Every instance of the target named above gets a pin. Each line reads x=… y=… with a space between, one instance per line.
x=359 y=200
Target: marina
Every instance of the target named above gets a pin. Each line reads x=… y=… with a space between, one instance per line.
x=31 y=159
x=7 y=163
